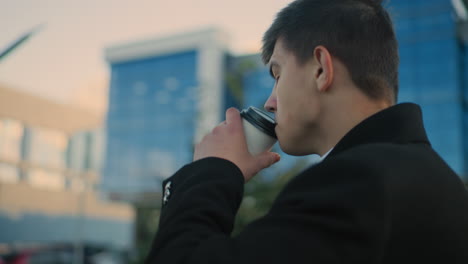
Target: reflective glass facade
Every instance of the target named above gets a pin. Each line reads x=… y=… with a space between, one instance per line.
x=46 y=147
x=43 y=196
x=150 y=124
x=11 y=135
x=433 y=72
x=47 y=155
x=85 y=151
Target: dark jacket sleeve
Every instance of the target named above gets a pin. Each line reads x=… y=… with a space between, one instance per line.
x=331 y=213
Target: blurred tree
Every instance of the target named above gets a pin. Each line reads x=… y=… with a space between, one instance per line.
x=234 y=78
x=147 y=220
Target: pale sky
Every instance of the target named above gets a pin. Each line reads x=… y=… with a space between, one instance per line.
x=65 y=61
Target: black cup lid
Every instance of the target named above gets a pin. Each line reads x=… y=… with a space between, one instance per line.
x=260 y=119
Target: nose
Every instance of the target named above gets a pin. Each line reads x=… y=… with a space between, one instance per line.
x=270 y=104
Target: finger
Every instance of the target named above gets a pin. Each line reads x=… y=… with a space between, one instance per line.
x=267 y=159
x=222 y=123
x=233 y=116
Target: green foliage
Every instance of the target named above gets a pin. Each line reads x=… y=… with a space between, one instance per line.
x=234 y=79
x=147 y=220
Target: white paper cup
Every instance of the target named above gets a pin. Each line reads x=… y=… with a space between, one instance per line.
x=259 y=130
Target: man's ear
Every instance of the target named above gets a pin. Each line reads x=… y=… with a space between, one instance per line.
x=324 y=71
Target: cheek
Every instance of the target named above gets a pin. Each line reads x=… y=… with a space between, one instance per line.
x=289 y=101
x=298 y=109
x=287 y=119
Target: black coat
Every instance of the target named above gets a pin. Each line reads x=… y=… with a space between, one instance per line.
x=381 y=196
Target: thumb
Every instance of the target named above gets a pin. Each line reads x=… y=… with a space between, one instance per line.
x=267 y=159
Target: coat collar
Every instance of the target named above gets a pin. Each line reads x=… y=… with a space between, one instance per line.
x=400 y=123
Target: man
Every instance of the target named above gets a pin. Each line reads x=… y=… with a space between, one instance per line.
x=381 y=194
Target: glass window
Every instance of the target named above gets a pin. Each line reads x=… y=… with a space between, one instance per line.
x=11 y=135
x=48 y=148
x=76 y=152
x=86 y=150
x=161 y=163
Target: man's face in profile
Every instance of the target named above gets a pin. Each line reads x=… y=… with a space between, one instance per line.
x=294 y=99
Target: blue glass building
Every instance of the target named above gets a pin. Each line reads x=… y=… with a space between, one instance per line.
x=433 y=72
x=165 y=94
x=150 y=123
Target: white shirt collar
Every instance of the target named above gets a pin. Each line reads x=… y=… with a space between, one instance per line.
x=316 y=159
x=324 y=155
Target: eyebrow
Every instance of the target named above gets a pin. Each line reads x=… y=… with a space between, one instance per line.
x=273 y=64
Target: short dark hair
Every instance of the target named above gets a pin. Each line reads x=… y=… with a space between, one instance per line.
x=357 y=32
